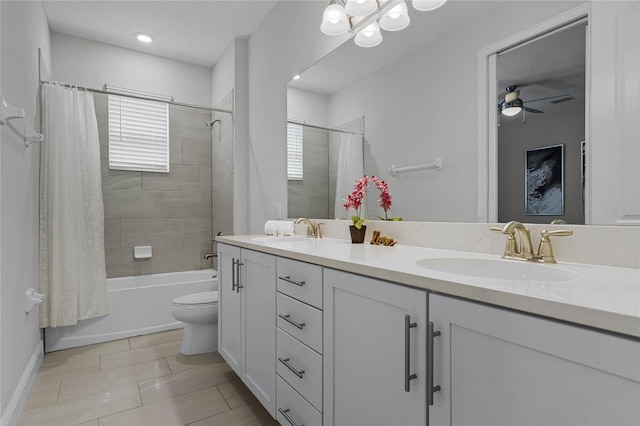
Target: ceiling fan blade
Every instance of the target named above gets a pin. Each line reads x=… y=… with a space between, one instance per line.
x=549 y=97
x=535 y=111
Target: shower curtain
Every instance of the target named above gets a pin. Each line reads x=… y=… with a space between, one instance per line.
x=350 y=169
x=72 y=261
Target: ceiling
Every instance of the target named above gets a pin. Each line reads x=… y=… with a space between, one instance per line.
x=196 y=32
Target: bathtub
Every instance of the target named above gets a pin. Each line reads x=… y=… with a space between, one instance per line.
x=137 y=305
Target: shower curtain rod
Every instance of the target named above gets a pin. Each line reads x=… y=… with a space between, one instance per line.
x=324 y=128
x=144 y=98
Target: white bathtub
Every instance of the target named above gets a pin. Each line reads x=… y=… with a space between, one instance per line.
x=137 y=305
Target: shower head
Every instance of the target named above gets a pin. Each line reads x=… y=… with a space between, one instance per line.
x=211 y=123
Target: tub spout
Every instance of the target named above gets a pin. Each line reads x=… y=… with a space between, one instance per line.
x=208 y=256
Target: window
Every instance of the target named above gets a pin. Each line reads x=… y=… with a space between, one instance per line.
x=294 y=151
x=138 y=133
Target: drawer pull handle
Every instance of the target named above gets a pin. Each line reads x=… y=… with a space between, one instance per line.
x=289 y=280
x=288 y=319
x=285 y=414
x=285 y=361
x=430 y=388
x=408 y=325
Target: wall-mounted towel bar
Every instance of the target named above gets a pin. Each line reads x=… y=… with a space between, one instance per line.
x=10 y=112
x=435 y=164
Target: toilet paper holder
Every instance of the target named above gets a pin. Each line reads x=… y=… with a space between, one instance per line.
x=32 y=298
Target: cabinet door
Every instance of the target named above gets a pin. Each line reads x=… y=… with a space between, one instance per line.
x=229 y=314
x=258 y=280
x=498 y=367
x=366 y=349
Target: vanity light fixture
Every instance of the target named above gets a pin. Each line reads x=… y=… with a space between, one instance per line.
x=144 y=37
x=366 y=17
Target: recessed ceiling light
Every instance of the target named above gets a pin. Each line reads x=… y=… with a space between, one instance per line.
x=296 y=77
x=143 y=37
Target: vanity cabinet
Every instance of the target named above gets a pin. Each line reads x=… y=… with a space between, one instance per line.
x=499 y=367
x=247 y=318
x=375 y=347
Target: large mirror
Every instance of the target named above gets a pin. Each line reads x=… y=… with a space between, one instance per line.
x=417 y=93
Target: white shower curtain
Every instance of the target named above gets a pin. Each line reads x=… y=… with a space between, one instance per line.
x=72 y=262
x=350 y=169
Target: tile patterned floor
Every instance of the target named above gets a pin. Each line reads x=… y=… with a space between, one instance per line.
x=143 y=381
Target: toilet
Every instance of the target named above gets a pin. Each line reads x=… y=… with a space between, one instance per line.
x=199 y=313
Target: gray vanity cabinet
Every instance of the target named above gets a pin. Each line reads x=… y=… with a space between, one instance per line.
x=499 y=367
x=247 y=317
x=375 y=369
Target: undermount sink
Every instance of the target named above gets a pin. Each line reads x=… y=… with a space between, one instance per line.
x=278 y=238
x=512 y=270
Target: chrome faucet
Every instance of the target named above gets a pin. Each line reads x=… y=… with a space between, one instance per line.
x=313 y=229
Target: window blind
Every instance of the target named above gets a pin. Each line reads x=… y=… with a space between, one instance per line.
x=138 y=134
x=294 y=152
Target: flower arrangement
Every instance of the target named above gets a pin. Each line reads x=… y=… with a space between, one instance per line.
x=354 y=200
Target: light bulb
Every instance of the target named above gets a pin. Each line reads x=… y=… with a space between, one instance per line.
x=396 y=19
x=426 y=5
x=360 y=7
x=334 y=20
x=369 y=36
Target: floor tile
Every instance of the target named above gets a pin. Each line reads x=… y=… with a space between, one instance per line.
x=182 y=362
x=253 y=414
x=43 y=392
x=85 y=408
x=177 y=411
x=135 y=356
x=74 y=354
x=156 y=338
x=236 y=394
x=185 y=382
x=72 y=367
x=110 y=379
x=93 y=422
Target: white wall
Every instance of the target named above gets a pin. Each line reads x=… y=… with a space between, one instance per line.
x=24 y=29
x=223 y=74
x=308 y=106
x=279 y=48
x=423 y=106
x=92 y=64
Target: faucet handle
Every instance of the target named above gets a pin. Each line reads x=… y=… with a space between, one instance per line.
x=545 y=252
x=511 y=247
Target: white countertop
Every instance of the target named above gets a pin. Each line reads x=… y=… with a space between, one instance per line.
x=607 y=298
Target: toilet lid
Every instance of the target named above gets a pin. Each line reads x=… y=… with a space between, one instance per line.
x=197 y=298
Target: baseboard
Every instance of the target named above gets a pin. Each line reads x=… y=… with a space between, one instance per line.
x=19 y=398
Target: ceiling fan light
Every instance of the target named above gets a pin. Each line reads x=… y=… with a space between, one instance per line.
x=334 y=20
x=369 y=36
x=360 y=7
x=427 y=5
x=396 y=19
x=511 y=111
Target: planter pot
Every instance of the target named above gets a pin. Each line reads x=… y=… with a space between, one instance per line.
x=357 y=235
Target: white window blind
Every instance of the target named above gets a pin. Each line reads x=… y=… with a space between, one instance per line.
x=294 y=151
x=138 y=134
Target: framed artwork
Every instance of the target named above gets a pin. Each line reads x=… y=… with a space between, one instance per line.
x=544 y=181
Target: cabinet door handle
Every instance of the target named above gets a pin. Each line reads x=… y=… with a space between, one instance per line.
x=238 y=286
x=233 y=274
x=285 y=414
x=285 y=361
x=430 y=388
x=408 y=325
x=288 y=319
x=289 y=280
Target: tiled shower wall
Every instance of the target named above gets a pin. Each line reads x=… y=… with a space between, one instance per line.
x=170 y=212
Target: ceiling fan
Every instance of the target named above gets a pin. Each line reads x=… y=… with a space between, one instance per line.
x=512 y=104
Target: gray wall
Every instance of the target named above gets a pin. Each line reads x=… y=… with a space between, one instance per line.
x=170 y=212
x=540 y=130
x=222 y=170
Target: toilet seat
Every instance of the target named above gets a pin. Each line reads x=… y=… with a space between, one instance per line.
x=203 y=298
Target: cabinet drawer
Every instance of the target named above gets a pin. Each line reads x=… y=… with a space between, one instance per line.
x=300 y=280
x=304 y=371
x=291 y=404
x=300 y=320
